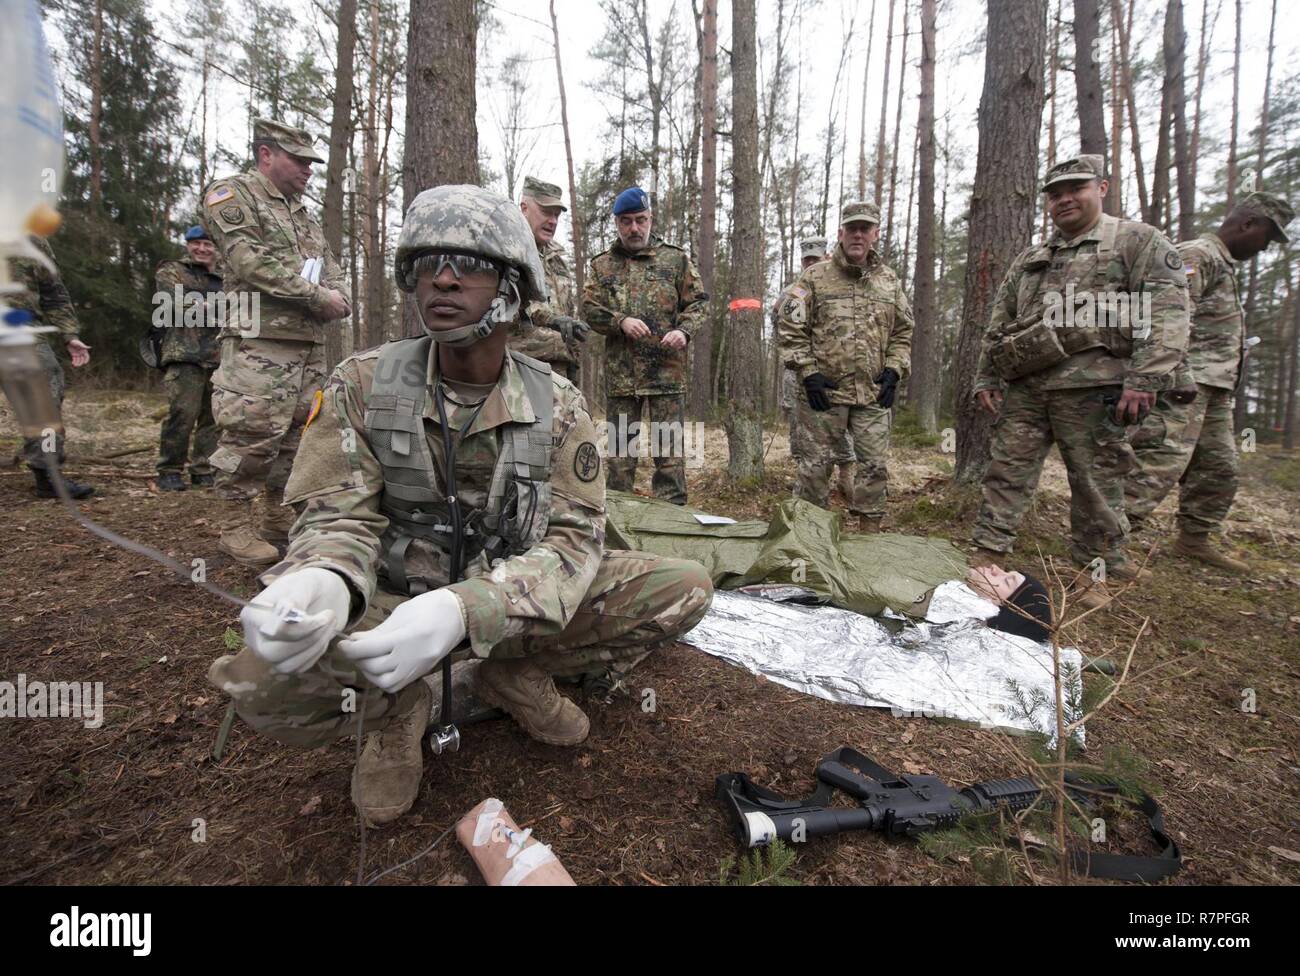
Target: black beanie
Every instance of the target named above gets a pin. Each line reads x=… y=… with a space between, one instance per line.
x=1029 y=598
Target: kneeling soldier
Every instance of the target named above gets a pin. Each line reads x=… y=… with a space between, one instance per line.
x=449 y=493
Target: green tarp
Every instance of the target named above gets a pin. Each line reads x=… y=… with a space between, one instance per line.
x=801 y=545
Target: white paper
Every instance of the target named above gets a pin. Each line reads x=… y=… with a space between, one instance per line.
x=714 y=519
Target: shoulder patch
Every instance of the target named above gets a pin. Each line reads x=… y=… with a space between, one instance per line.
x=798 y=291
x=1172 y=260
x=218 y=194
x=586 y=462
x=232 y=214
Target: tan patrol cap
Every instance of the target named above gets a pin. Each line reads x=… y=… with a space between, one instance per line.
x=1089 y=167
x=859 y=211
x=296 y=142
x=1272 y=208
x=546 y=194
x=812 y=247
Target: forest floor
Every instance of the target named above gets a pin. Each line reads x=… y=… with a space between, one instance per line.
x=634 y=804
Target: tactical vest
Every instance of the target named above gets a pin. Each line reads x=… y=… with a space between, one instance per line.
x=1030 y=344
x=518 y=507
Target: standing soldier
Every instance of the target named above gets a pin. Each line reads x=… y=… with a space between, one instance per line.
x=189 y=354
x=1188 y=438
x=42 y=295
x=273 y=353
x=554 y=334
x=415 y=536
x=1085 y=330
x=644 y=296
x=846 y=330
x=812 y=250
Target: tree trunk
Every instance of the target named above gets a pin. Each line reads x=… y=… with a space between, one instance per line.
x=1087 y=80
x=1289 y=423
x=862 y=125
x=340 y=139
x=1173 y=76
x=884 y=105
x=702 y=343
x=888 y=235
x=441 y=144
x=1261 y=155
x=1202 y=62
x=1135 y=136
x=96 y=109
x=923 y=389
x=1004 y=198
x=1236 y=115
x=1175 y=63
x=1115 y=193
x=1053 y=67
x=744 y=360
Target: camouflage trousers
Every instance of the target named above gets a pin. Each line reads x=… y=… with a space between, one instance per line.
x=189 y=410
x=636 y=603
x=824 y=434
x=666 y=443
x=1098 y=460
x=262 y=396
x=33 y=452
x=843 y=448
x=1191 y=444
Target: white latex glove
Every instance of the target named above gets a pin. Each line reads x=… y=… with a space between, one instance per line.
x=410 y=643
x=323 y=601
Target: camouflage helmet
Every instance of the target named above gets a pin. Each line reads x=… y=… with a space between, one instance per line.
x=470 y=220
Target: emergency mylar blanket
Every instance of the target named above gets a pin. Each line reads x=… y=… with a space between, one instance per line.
x=900 y=633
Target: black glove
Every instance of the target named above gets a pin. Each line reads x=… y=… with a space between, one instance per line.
x=816 y=386
x=888 y=383
x=573 y=330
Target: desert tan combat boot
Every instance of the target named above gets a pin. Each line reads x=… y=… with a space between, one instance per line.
x=522 y=689
x=1198 y=547
x=845 y=482
x=386 y=779
x=239 y=541
x=275 y=522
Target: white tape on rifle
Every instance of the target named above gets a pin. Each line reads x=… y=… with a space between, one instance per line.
x=486 y=821
x=525 y=863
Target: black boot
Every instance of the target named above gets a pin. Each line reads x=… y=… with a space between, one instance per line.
x=45 y=487
x=171 y=481
x=202 y=480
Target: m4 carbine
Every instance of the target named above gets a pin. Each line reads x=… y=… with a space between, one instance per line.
x=910 y=805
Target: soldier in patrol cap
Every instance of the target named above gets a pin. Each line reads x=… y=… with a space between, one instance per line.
x=1085 y=330
x=1188 y=438
x=188 y=332
x=644 y=296
x=451 y=497
x=811 y=251
x=555 y=333
x=273 y=352
x=845 y=328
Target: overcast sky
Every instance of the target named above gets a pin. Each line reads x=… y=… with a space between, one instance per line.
x=524 y=25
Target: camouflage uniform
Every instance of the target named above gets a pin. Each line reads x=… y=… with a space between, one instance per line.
x=789 y=404
x=1193 y=443
x=43 y=294
x=848 y=323
x=1066 y=403
x=660 y=286
x=536 y=338
x=189 y=356
x=272 y=365
x=564 y=602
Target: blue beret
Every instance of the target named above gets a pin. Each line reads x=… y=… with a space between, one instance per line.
x=197 y=233
x=632 y=200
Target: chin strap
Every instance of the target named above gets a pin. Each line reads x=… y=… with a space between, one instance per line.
x=504 y=307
